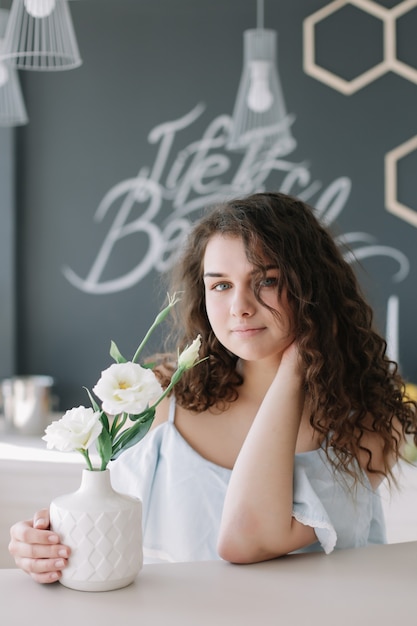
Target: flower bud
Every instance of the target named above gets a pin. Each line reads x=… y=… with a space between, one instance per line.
x=189 y=356
x=172 y=301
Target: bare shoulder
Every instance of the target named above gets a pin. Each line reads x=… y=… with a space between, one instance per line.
x=161 y=413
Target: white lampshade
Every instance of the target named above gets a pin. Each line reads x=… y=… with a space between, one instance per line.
x=260 y=111
x=40 y=36
x=12 y=106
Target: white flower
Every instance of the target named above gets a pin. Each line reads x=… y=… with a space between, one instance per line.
x=76 y=430
x=189 y=355
x=127 y=387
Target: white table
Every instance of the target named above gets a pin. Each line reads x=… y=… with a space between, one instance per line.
x=373 y=585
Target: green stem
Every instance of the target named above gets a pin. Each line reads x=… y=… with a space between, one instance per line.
x=158 y=320
x=175 y=378
x=143 y=342
x=87 y=458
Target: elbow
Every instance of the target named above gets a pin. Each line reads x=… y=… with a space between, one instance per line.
x=243 y=543
x=236 y=552
x=229 y=549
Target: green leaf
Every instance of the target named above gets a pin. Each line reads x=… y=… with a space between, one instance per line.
x=93 y=402
x=118 y=423
x=115 y=353
x=105 y=421
x=104 y=447
x=150 y=411
x=132 y=436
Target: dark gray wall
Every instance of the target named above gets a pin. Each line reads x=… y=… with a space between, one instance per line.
x=147 y=62
x=7 y=255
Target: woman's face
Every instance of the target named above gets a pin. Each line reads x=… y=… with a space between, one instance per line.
x=239 y=321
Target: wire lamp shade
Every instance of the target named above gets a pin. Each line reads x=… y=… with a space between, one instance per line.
x=259 y=112
x=12 y=106
x=40 y=36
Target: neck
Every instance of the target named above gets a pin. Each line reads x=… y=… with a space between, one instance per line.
x=258 y=376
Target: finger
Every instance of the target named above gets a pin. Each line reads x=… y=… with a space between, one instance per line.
x=42 y=566
x=24 y=532
x=22 y=550
x=41 y=519
x=45 y=579
x=42 y=570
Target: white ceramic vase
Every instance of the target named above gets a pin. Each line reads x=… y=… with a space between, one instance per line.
x=103 y=528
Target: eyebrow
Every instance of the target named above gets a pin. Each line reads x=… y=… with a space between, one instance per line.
x=213 y=275
x=221 y=274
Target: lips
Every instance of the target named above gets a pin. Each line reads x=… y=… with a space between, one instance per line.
x=246 y=331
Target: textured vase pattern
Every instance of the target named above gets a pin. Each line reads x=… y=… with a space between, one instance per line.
x=104 y=531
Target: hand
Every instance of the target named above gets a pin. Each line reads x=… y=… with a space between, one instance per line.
x=37 y=550
x=291 y=361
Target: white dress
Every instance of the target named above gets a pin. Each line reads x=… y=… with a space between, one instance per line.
x=182 y=495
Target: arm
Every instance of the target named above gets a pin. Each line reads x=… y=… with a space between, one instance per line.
x=257 y=522
x=36 y=550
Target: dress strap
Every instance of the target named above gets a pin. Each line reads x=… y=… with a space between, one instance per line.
x=171 y=414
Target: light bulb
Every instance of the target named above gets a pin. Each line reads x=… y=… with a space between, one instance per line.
x=39 y=8
x=4 y=74
x=259 y=98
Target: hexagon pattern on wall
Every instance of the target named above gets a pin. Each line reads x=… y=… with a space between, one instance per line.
x=389 y=17
x=390 y=61
x=392 y=203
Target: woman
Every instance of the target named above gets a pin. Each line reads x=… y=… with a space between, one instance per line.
x=278 y=441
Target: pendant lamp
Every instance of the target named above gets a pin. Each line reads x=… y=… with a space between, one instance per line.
x=40 y=36
x=12 y=106
x=259 y=111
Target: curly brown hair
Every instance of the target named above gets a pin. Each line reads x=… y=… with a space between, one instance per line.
x=348 y=375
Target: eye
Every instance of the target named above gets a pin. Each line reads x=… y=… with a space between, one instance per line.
x=269 y=281
x=221 y=286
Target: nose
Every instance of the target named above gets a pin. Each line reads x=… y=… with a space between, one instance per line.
x=243 y=303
